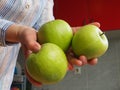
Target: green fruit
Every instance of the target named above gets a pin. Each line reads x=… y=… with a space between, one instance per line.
x=58 y=32
x=90 y=41
x=49 y=65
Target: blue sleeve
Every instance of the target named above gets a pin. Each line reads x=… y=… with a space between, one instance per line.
x=4 y=24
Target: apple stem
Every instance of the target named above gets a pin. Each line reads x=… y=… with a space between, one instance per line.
x=102 y=33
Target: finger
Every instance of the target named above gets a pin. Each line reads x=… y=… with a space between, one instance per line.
x=70 y=66
x=93 y=61
x=83 y=59
x=26 y=52
x=74 y=29
x=34 y=82
x=96 y=24
x=74 y=61
x=33 y=46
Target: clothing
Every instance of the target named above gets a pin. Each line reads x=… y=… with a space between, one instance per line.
x=31 y=13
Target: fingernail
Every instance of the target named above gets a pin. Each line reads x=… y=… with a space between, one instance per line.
x=37 y=48
x=79 y=63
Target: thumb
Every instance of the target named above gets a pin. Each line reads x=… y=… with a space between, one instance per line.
x=34 y=46
x=96 y=24
x=29 y=48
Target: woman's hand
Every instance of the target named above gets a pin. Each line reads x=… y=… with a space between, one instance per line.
x=28 y=39
x=81 y=60
x=29 y=44
x=27 y=36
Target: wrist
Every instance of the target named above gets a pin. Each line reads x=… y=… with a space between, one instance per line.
x=12 y=34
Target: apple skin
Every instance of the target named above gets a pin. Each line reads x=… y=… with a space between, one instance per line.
x=90 y=41
x=49 y=65
x=56 y=31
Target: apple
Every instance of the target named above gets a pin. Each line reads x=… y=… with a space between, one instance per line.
x=90 y=41
x=49 y=65
x=56 y=31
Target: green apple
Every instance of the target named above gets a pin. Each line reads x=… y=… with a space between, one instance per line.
x=56 y=31
x=49 y=65
x=90 y=41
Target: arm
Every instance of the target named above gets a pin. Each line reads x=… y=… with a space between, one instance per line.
x=25 y=35
x=14 y=33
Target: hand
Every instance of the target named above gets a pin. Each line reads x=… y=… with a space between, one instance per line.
x=76 y=28
x=27 y=36
x=81 y=60
x=28 y=39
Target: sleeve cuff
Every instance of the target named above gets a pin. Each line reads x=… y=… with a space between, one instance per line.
x=4 y=24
